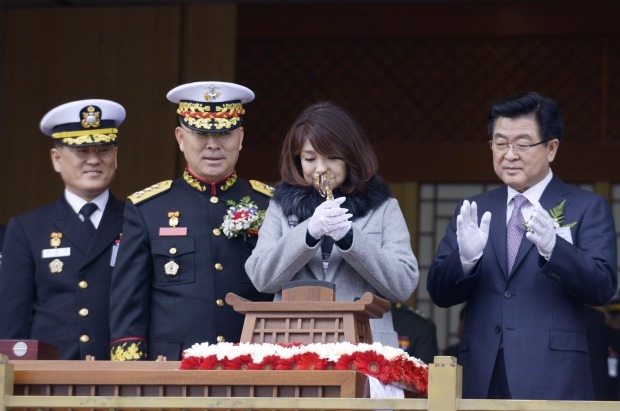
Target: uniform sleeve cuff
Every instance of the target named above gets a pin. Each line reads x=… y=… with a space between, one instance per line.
x=311 y=241
x=345 y=242
x=128 y=349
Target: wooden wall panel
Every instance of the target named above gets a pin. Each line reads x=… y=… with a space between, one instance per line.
x=209 y=42
x=420 y=78
x=51 y=56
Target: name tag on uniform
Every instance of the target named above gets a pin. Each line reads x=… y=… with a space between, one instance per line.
x=56 y=252
x=564 y=232
x=171 y=231
x=114 y=254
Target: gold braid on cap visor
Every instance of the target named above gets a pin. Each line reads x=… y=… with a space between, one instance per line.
x=224 y=116
x=75 y=138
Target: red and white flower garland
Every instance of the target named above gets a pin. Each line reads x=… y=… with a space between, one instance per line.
x=388 y=364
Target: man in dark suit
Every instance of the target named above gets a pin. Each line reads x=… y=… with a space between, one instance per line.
x=551 y=250
x=58 y=258
x=452 y=350
x=183 y=247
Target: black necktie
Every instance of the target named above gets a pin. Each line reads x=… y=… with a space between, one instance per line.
x=86 y=211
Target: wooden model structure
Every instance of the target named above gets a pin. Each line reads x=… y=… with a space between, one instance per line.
x=308 y=313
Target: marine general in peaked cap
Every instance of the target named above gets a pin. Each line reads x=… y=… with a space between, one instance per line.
x=185 y=242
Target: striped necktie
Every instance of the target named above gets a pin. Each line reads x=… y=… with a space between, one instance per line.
x=515 y=230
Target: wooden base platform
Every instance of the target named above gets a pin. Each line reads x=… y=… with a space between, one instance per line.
x=164 y=379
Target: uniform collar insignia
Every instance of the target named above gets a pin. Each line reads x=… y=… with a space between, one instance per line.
x=203 y=186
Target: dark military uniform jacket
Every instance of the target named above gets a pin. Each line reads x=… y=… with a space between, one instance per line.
x=55 y=280
x=175 y=267
x=417 y=334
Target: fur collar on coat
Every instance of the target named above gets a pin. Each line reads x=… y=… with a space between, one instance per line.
x=301 y=201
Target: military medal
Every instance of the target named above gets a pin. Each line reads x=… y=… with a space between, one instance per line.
x=56 y=265
x=171 y=268
x=55 y=252
x=173 y=221
x=173 y=218
x=55 y=239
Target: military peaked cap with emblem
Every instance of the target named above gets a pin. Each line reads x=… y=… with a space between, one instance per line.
x=84 y=122
x=211 y=106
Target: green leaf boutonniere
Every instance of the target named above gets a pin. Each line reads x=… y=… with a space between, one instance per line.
x=242 y=218
x=557 y=214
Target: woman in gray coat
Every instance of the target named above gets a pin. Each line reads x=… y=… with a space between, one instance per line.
x=332 y=218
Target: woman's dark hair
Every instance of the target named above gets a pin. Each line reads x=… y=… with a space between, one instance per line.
x=333 y=133
x=544 y=110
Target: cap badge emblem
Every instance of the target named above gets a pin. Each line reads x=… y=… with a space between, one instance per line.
x=212 y=93
x=91 y=118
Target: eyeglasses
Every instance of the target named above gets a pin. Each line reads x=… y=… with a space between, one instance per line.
x=501 y=146
x=101 y=151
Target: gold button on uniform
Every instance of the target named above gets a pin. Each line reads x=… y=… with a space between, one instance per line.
x=219 y=302
x=220 y=338
x=214 y=199
x=173 y=250
x=217 y=231
x=219 y=266
x=84 y=338
x=83 y=284
x=83 y=312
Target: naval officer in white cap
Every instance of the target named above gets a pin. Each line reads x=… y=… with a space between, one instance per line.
x=183 y=249
x=58 y=258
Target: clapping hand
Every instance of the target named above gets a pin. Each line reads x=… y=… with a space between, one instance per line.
x=330 y=219
x=470 y=237
x=540 y=231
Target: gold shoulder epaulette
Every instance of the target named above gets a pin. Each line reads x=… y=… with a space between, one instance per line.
x=150 y=192
x=262 y=187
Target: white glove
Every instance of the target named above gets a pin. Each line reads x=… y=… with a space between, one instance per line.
x=327 y=217
x=540 y=231
x=340 y=229
x=471 y=238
